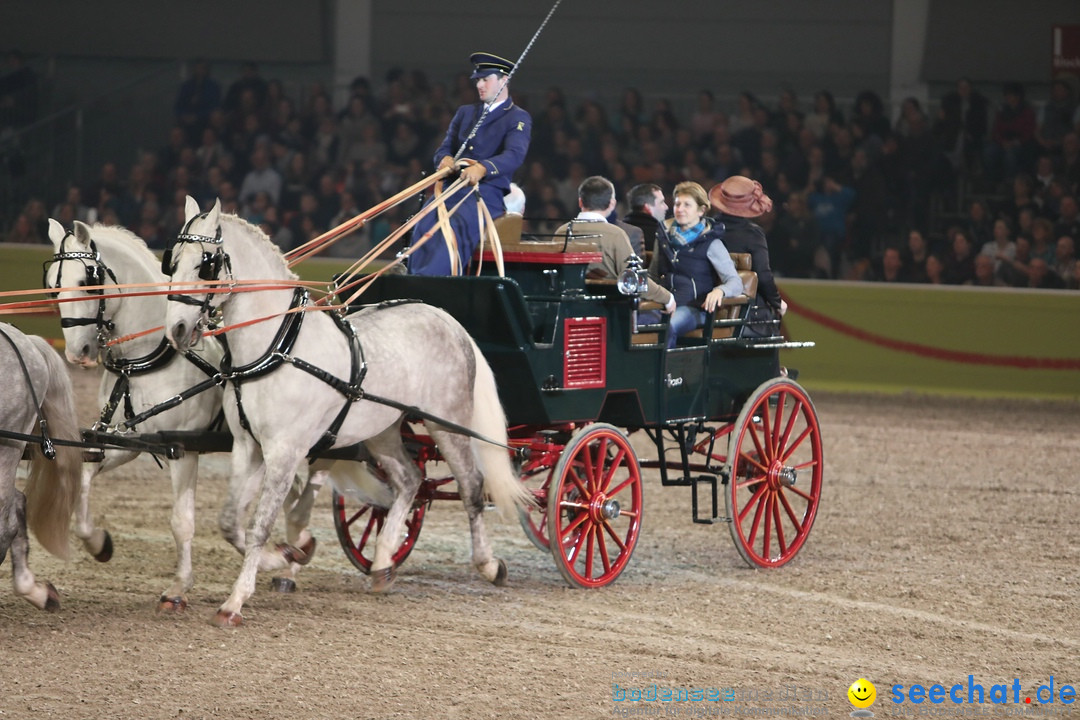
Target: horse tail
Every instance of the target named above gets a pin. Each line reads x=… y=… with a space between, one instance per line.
x=501 y=481
x=52 y=486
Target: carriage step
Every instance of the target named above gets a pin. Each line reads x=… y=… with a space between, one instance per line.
x=714 y=482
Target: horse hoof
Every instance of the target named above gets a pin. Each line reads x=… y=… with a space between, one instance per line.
x=52 y=599
x=500 y=574
x=293 y=554
x=282 y=585
x=381 y=580
x=175 y=604
x=105 y=554
x=228 y=619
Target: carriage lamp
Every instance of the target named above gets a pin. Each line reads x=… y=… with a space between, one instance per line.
x=634 y=280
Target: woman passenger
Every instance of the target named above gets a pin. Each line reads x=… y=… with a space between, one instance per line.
x=692 y=262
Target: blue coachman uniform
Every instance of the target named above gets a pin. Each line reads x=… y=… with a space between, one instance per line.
x=500 y=145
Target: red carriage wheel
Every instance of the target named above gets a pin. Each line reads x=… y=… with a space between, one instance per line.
x=774 y=469
x=545 y=449
x=358 y=525
x=594 y=506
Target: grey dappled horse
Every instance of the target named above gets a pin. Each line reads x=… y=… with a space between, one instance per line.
x=414 y=354
x=36 y=387
x=150 y=372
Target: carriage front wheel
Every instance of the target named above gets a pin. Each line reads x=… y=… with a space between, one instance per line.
x=774 y=473
x=594 y=506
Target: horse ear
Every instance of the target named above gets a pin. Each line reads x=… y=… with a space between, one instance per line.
x=56 y=233
x=82 y=233
x=213 y=214
x=191 y=208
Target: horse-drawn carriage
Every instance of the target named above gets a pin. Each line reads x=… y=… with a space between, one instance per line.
x=574 y=372
x=577 y=376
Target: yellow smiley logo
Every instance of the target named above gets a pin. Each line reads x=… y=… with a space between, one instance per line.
x=862 y=693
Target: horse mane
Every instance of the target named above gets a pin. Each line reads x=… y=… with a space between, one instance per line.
x=122 y=239
x=266 y=247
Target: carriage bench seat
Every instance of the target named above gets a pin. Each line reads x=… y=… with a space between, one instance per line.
x=732 y=308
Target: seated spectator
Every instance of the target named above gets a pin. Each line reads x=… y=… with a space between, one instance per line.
x=914 y=256
x=890 y=268
x=1068 y=222
x=1065 y=264
x=795 y=249
x=1041 y=276
x=830 y=202
x=1001 y=248
x=692 y=261
x=985 y=276
x=960 y=260
x=935 y=269
x=1042 y=240
x=261 y=178
x=25 y=231
x=1015 y=273
x=1012 y=136
x=596 y=199
x=1057 y=117
x=648 y=210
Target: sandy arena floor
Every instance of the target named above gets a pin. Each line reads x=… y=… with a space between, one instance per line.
x=947 y=545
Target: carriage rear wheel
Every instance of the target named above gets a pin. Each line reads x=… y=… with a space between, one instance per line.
x=594 y=506
x=774 y=469
x=358 y=524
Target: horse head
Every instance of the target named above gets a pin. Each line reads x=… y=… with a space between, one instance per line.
x=196 y=256
x=76 y=264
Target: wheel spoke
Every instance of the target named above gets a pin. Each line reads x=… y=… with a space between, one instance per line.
x=792 y=418
x=602 y=547
x=627 y=483
x=573 y=477
x=589 y=543
x=778 y=417
x=798 y=441
x=796 y=522
x=752 y=501
x=776 y=524
x=356 y=516
x=574 y=525
x=615 y=464
x=373 y=521
x=757 y=444
x=611 y=531
x=592 y=471
x=766 y=536
x=758 y=502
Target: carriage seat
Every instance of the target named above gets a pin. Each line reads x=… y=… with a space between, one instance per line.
x=509 y=229
x=732 y=308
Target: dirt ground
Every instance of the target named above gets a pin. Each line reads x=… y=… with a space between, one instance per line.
x=946 y=546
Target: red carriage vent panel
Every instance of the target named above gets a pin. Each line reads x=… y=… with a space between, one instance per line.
x=585 y=352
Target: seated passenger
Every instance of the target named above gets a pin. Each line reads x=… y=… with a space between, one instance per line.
x=740 y=199
x=692 y=261
x=596 y=198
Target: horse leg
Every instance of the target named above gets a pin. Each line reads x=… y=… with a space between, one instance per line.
x=184 y=473
x=457 y=452
x=298 y=504
x=280 y=465
x=246 y=473
x=97 y=541
x=41 y=595
x=404 y=478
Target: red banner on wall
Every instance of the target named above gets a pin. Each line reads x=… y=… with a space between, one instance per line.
x=1065 y=53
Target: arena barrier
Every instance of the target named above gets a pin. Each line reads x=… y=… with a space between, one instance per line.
x=992 y=342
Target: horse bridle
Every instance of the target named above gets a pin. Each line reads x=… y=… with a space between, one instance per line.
x=96 y=272
x=209 y=268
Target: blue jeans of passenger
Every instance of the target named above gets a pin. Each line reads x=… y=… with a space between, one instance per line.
x=683 y=320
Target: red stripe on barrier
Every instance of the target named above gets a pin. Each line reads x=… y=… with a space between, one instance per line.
x=970 y=358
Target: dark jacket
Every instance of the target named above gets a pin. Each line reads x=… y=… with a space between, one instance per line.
x=687 y=270
x=742 y=235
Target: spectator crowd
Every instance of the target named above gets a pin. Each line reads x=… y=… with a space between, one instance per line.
x=857 y=195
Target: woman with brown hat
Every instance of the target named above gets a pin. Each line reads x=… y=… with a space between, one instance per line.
x=738 y=200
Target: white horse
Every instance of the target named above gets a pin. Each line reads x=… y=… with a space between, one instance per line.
x=37 y=388
x=142 y=373
x=295 y=395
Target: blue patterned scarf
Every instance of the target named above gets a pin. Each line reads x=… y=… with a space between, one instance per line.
x=680 y=237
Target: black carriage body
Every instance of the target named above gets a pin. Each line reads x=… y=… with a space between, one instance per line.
x=562 y=349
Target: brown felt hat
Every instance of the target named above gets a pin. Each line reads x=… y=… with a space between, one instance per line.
x=740 y=196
